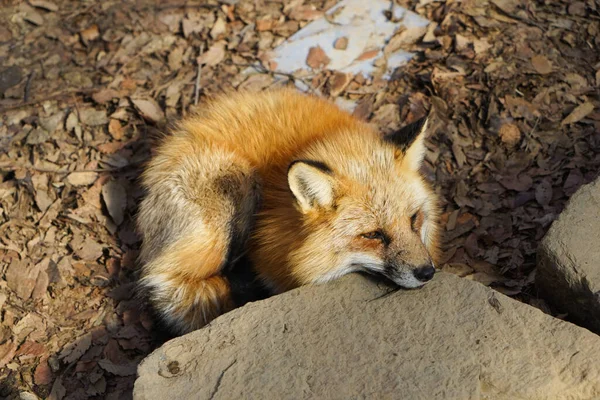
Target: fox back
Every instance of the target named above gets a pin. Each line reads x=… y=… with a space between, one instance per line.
x=287 y=188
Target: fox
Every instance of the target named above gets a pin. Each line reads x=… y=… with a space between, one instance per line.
x=274 y=190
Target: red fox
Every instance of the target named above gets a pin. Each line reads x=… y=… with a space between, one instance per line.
x=288 y=187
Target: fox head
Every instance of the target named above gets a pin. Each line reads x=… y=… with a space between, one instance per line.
x=365 y=207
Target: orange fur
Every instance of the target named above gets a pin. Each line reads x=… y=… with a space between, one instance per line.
x=204 y=182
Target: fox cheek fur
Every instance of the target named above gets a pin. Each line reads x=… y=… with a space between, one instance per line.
x=285 y=187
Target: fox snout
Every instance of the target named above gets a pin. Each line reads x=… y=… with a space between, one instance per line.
x=410 y=277
x=424 y=273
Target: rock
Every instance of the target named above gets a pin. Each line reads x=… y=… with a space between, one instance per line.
x=568 y=272
x=453 y=339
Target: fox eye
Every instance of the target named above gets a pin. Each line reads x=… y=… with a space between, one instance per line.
x=416 y=221
x=375 y=235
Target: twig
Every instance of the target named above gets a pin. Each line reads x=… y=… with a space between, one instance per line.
x=28 y=86
x=53 y=96
x=14 y=167
x=197 y=89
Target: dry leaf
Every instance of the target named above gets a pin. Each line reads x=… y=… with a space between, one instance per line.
x=75 y=350
x=45 y=4
x=218 y=28
x=119 y=370
x=541 y=64
x=213 y=56
x=82 y=178
x=115 y=129
x=543 y=193
x=341 y=43
x=317 y=58
x=115 y=198
x=510 y=134
x=149 y=109
x=579 y=113
x=89 y=34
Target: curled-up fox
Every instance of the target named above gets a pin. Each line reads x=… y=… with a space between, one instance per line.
x=288 y=189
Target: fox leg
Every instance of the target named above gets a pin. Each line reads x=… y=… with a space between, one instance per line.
x=195 y=222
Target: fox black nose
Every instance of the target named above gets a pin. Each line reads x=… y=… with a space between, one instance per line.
x=424 y=273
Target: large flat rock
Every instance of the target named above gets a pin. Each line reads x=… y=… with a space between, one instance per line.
x=453 y=339
x=568 y=272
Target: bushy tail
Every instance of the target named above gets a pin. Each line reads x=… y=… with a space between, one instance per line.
x=195 y=221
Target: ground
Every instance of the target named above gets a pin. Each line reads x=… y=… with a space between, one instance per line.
x=86 y=87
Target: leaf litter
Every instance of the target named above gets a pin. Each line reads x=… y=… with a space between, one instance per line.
x=85 y=89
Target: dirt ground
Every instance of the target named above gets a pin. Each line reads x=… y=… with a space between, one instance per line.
x=85 y=86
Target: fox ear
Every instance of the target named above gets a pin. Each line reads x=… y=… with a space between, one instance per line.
x=311 y=183
x=410 y=141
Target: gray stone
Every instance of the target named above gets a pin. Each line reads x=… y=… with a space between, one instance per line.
x=453 y=339
x=568 y=273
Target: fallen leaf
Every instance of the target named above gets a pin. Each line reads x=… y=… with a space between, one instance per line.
x=338 y=82
x=149 y=109
x=115 y=198
x=93 y=117
x=34 y=17
x=213 y=55
x=105 y=95
x=119 y=370
x=317 y=58
x=541 y=64
x=510 y=134
x=218 y=28
x=89 y=34
x=43 y=373
x=579 y=113
x=115 y=129
x=85 y=178
x=45 y=4
x=90 y=250
x=543 y=193
x=75 y=350
x=21 y=277
x=341 y=43
x=7 y=352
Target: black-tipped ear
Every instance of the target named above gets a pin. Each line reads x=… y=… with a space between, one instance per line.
x=410 y=141
x=405 y=136
x=311 y=183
